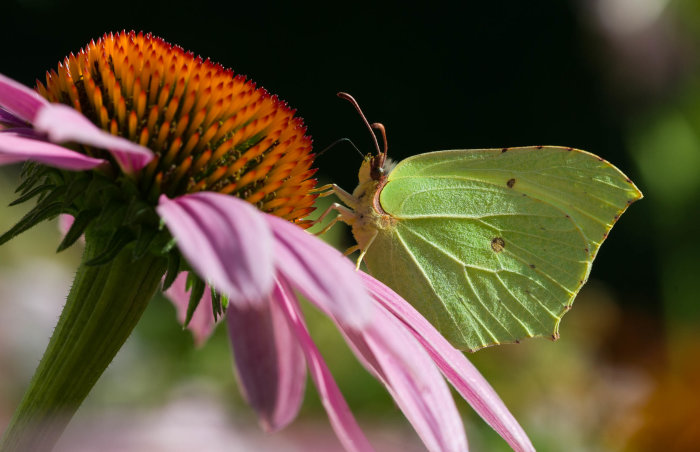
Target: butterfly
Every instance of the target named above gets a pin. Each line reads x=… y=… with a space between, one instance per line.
x=490 y=245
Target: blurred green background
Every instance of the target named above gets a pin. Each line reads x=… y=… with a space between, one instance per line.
x=619 y=78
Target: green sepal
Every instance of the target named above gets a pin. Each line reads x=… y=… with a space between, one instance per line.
x=111 y=215
x=32 y=193
x=119 y=240
x=172 y=271
x=144 y=239
x=28 y=176
x=216 y=306
x=32 y=173
x=168 y=246
x=48 y=208
x=74 y=189
x=196 y=287
x=81 y=222
x=100 y=189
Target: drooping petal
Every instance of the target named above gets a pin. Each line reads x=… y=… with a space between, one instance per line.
x=24 y=132
x=320 y=272
x=391 y=353
x=62 y=124
x=65 y=221
x=342 y=420
x=202 y=322
x=11 y=120
x=20 y=100
x=454 y=365
x=226 y=241
x=269 y=361
x=15 y=148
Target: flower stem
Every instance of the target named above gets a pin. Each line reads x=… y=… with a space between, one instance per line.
x=103 y=306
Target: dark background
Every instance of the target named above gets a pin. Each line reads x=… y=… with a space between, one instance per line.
x=444 y=76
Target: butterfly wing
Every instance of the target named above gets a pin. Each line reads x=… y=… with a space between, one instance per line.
x=493 y=245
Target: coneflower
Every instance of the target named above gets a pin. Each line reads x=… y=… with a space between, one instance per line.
x=187 y=178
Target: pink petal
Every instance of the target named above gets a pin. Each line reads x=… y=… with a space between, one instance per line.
x=62 y=124
x=14 y=148
x=390 y=352
x=342 y=420
x=10 y=120
x=65 y=221
x=202 y=322
x=454 y=365
x=226 y=241
x=23 y=102
x=270 y=362
x=320 y=273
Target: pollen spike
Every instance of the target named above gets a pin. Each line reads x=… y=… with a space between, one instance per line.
x=133 y=122
x=152 y=118
x=143 y=140
x=162 y=135
x=163 y=96
x=207 y=136
x=191 y=143
x=172 y=108
x=201 y=161
x=181 y=125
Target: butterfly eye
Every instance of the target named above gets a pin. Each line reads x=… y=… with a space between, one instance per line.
x=377 y=167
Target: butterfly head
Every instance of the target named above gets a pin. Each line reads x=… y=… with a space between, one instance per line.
x=372 y=169
x=376 y=167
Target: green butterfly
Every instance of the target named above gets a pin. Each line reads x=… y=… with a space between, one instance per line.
x=490 y=245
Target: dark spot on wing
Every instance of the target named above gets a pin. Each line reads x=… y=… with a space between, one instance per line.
x=569 y=149
x=497 y=244
x=510 y=183
x=539 y=147
x=532 y=265
x=504 y=150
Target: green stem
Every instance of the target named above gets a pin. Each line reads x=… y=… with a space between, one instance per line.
x=104 y=305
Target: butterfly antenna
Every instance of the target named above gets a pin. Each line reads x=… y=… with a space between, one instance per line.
x=379 y=126
x=352 y=100
x=339 y=140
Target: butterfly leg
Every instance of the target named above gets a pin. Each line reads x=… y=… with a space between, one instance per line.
x=344 y=214
x=364 y=251
x=323 y=190
x=351 y=250
x=346 y=198
x=332 y=189
x=327 y=227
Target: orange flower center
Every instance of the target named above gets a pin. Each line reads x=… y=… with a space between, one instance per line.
x=209 y=129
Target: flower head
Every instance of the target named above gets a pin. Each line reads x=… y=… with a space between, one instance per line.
x=152 y=148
